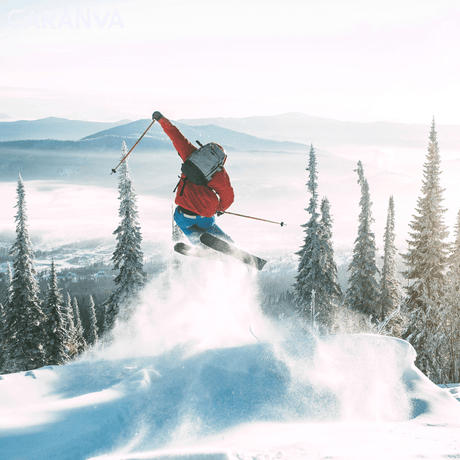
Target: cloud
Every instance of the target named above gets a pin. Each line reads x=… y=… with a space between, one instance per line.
x=59 y=211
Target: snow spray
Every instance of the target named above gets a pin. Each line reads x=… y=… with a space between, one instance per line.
x=195 y=305
x=356 y=377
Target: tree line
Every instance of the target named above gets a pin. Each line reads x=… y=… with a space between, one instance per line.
x=425 y=312
x=36 y=332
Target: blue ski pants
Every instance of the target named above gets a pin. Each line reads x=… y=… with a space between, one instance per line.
x=194 y=226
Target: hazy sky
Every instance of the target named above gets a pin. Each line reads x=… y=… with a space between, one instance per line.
x=362 y=60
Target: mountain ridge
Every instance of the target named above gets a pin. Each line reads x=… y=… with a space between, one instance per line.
x=51 y=128
x=111 y=138
x=299 y=127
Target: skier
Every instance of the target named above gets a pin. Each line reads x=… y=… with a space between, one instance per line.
x=197 y=205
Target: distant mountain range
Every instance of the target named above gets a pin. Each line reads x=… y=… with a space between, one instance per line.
x=89 y=157
x=324 y=132
x=111 y=138
x=285 y=132
x=228 y=138
x=52 y=128
x=69 y=144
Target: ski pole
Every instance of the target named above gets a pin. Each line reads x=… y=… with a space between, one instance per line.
x=256 y=218
x=132 y=148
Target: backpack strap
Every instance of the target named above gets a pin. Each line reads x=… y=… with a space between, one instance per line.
x=177 y=185
x=183 y=186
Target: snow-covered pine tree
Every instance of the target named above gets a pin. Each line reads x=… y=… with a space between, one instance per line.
x=6 y=291
x=426 y=262
x=56 y=348
x=5 y=336
x=25 y=319
x=8 y=286
x=390 y=286
x=454 y=257
x=80 y=341
x=2 y=337
x=128 y=257
x=363 y=289
x=328 y=291
x=310 y=253
x=69 y=323
x=449 y=327
x=93 y=329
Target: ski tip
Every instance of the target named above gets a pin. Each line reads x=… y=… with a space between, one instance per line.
x=261 y=264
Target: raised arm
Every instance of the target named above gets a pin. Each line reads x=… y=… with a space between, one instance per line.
x=181 y=143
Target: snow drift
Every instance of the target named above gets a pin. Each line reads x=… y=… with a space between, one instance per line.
x=174 y=400
x=187 y=379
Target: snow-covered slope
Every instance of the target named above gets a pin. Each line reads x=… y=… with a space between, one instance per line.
x=214 y=399
x=187 y=379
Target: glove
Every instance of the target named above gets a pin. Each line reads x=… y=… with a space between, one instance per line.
x=219 y=213
x=157 y=116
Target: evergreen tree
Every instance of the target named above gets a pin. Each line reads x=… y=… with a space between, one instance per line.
x=56 y=350
x=390 y=294
x=449 y=326
x=80 y=341
x=2 y=337
x=69 y=323
x=9 y=286
x=363 y=290
x=454 y=258
x=308 y=271
x=426 y=263
x=128 y=257
x=328 y=291
x=5 y=336
x=93 y=329
x=25 y=319
x=6 y=292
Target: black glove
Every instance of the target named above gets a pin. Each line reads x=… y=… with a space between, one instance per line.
x=157 y=116
x=219 y=213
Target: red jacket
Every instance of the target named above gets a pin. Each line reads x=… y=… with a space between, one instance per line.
x=203 y=200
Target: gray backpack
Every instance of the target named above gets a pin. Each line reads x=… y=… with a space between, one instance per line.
x=203 y=163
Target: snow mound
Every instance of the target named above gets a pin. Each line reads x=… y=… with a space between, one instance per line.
x=202 y=406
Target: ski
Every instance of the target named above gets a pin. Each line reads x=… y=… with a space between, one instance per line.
x=226 y=248
x=192 y=251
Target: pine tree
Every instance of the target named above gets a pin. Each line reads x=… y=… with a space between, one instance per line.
x=5 y=335
x=363 y=289
x=426 y=262
x=390 y=293
x=93 y=329
x=310 y=254
x=128 y=257
x=449 y=326
x=80 y=341
x=69 y=324
x=9 y=286
x=25 y=319
x=454 y=257
x=328 y=291
x=2 y=337
x=6 y=292
x=56 y=349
